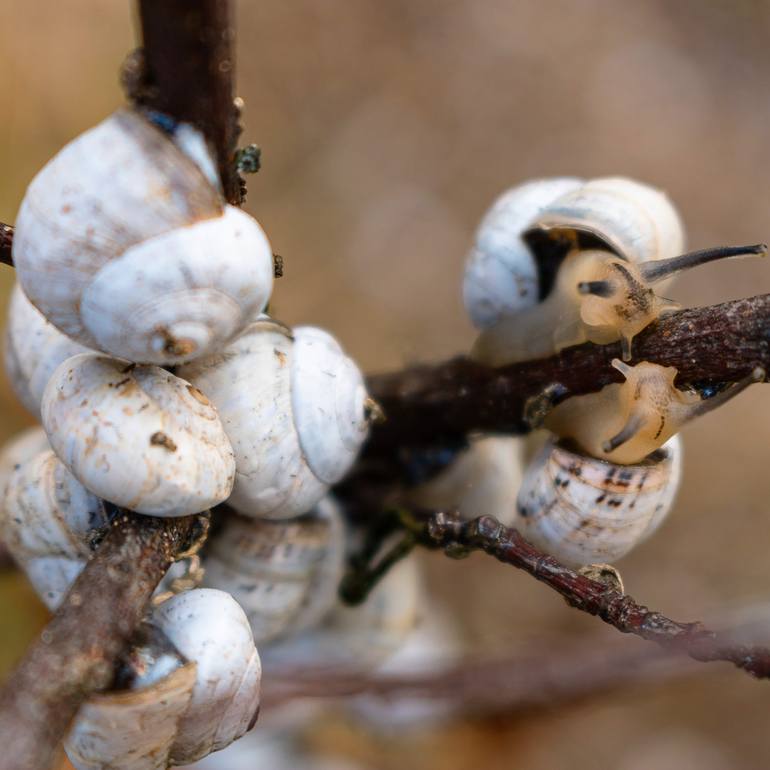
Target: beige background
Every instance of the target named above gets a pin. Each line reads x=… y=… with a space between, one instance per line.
x=387 y=129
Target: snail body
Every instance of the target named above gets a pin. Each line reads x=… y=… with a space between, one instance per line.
x=137 y=436
x=196 y=694
x=158 y=271
x=294 y=407
x=583 y=510
x=283 y=573
x=501 y=272
x=625 y=422
x=48 y=522
x=33 y=349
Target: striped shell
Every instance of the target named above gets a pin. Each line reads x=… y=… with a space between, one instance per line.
x=284 y=574
x=48 y=522
x=582 y=510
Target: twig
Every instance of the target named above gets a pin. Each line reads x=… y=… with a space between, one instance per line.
x=188 y=74
x=493 y=686
x=75 y=654
x=6 y=244
x=441 y=403
x=457 y=537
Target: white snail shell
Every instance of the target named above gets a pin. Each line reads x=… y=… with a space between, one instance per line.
x=194 y=710
x=33 y=349
x=19 y=449
x=582 y=510
x=356 y=638
x=138 y=436
x=501 y=275
x=636 y=221
x=48 y=519
x=483 y=481
x=284 y=574
x=159 y=270
x=294 y=407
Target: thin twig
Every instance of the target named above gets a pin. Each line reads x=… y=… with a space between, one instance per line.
x=504 y=685
x=6 y=244
x=441 y=403
x=452 y=535
x=75 y=654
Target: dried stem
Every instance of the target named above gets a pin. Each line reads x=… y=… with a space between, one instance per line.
x=6 y=244
x=457 y=537
x=441 y=403
x=75 y=654
x=188 y=74
x=493 y=686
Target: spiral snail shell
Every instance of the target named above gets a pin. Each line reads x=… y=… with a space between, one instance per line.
x=48 y=523
x=33 y=349
x=137 y=436
x=284 y=574
x=294 y=407
x=583 y=510
x=501 y=272
x=197 y=693
x=356 y=638
x=19 y=449
x=158 y=271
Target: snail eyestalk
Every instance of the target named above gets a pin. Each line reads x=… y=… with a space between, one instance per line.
x=758 y=374
x=658 y=269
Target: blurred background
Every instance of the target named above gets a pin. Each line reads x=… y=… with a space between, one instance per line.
x=387 y=129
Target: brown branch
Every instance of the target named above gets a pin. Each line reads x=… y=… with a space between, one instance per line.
x=457 y=537
x=487 y=687
x=6 y=244
x=188 y=73
x=75 y=654
x=433 y=404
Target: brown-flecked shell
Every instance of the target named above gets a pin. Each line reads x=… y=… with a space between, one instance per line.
x=587 y=511
x=138 y=436
x=283 y=573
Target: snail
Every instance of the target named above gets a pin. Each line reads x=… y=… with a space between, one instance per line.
x=283 y=573
x=501 y=273
x=598 y=297
x=295 y=409
x=593 y=499
x=159 y=270
x=355 y=638
x=33 y=350
x=49 y=523
x=625 y=422
x=193 y=689
x=137 y=436
x=621 y=238
x=482 y=481
x=583 y=510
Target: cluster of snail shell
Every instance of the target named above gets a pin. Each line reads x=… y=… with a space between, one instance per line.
x=137 y=336
x=608 y=473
